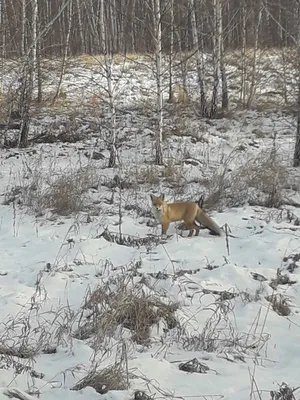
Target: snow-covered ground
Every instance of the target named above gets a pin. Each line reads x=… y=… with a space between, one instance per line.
x=237 y=298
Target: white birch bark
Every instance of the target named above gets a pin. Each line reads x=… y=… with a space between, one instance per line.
x=159 y=89
x=34 y=5
x=65 y=53
x=80 y=26
x=108 y=66
x=216 y=55
x=23 y=27
x=225 y=96
x=199 y=59
x=3 y=29
x=296 y=161
x=102 y=28
x=253 y=84
x=243 y=54
x=183 y=64
x=171 y=55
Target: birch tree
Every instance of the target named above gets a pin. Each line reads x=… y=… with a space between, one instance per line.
x=29 y=63
x=243 y=89
x=23 y=27
x=159 y=89
x=171 y=55
x=80 y=26
x=129 y=24
x=34 y=11
x=253 y=84
x=225 y=96
x=108 y=68
x=66 y=51
x=217 y=43
x=296 y=162
x=199 y=58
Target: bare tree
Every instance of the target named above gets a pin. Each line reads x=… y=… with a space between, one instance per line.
x=25 y=99
x=171 y=54
x=66 y=50
x=80 y=26
x=199 y=54
x=128 y=24
x=296 y=162
x=34 y=11
x=243 y=88
x=29 y=68
x=159 y=88
x=108 y=66
x=253 y=84
x=23 y=27
x=225 y=95
x=217 y=45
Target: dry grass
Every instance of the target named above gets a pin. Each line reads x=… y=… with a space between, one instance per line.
x=128 y=307
x=62 y=193
x=148 y=174
x=90 y=60
x=220 y=334
x=151 y=174
x=284 y=392
x=181 y=95
x=94 y=60
x=279 y=304
x=172 y=173
x=67 y=193
x=113 y=377
x=260 y=181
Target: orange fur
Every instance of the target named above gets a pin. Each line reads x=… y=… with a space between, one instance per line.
x=189 y=212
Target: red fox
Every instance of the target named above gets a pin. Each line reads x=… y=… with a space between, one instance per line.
x=189 y=212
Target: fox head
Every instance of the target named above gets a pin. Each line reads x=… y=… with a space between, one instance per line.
x=157 y=205
x=157 y=201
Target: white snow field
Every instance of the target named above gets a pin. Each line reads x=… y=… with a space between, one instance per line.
x=231 y=303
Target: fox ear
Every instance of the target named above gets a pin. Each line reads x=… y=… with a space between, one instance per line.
x=151 y=196
x=162 y=196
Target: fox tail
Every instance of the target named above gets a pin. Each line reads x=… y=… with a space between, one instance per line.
x=205 y=220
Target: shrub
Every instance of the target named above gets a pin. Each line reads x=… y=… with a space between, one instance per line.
x=63 y=194
x=110 y=378
x=128 y=307
x=259 y=180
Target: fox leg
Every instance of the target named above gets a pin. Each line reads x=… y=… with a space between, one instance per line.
x=164 y=228
x=197 y=229
x=192 y=226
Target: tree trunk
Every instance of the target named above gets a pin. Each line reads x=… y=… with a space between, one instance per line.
x=183 y=65
x=296 y=162
x=108 y=66
x=65 y=52
x=243 y=54
x=39 y=73
x=23 y=28
x=25 y=101
x=102 y=28
x=225 y=97
x=254 y=61
x=80 y=28
x=216 y=56
x=3 y=29
x=34 y=10
x=159 y=90
x=171 y=55
x=199 y=60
